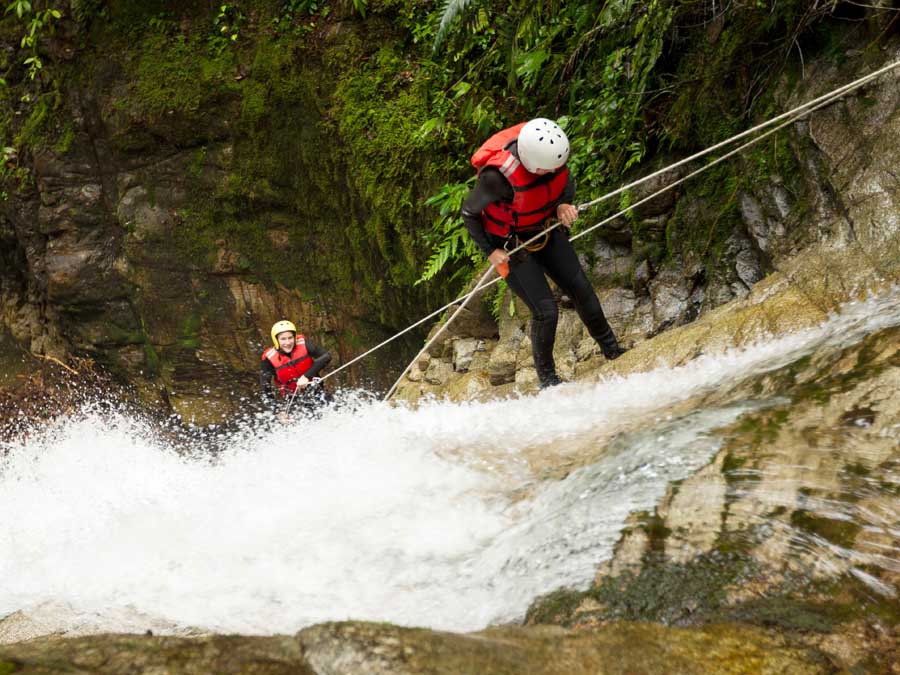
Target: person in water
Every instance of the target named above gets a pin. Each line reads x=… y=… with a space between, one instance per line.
x=523 y=184
x=289 y=367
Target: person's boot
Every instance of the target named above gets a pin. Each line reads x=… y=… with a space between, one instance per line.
x=548 y=380
x=545 y=367
x=610 y=346
x=613 y=352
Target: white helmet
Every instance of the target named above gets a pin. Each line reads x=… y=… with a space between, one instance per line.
x=543 y=145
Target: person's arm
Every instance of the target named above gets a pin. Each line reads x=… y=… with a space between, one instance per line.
x=566 y=212
x=321 y=358
x=266 y=375
x=568 y=195
x=491 y=187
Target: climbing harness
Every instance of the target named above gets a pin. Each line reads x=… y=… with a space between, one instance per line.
x=309 y=389
x=314 y=384
x=783 y=120
x=540 y=244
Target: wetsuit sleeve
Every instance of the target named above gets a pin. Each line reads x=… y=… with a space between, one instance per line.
x=321 y=357
x=266 y=375
x=568 y=195
x=491 y=187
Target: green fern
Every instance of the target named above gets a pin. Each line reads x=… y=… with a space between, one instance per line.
x=452 y=10
x=495 y=299
x=449 y=240
x=456 y=246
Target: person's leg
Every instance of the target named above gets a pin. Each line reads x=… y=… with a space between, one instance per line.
x=313 y=400
x=526 y=279
x=561 y=263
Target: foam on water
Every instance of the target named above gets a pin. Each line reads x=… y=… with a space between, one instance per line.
x=379 y=513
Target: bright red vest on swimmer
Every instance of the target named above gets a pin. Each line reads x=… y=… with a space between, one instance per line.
x=289 y=368
x=535 y=198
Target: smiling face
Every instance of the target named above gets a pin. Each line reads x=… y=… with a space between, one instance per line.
x=286 y=340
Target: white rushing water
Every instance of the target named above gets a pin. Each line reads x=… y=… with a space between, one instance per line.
x=379 y=513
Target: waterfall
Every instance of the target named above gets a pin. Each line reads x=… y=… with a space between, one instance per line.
x=451 y=515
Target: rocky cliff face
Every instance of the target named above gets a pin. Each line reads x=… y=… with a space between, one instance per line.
x=169 y=198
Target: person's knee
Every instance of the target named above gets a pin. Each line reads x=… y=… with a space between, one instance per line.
x=583 y=294
x=546 y=312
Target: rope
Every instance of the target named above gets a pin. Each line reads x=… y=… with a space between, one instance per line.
x=790 y=117
x=814 y=103
x=443 y=327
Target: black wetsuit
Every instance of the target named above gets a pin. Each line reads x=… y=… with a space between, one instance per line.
x=311 y=397
x=526 y=275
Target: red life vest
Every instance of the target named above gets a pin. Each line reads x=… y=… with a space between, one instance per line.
x=535 y=198
x=288 y=368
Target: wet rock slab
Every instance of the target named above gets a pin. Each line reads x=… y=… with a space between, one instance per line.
x=141 y=654
x=381 y=649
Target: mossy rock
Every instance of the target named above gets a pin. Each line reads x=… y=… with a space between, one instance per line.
x=383 y=649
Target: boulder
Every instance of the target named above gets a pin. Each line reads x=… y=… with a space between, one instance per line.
x=641 y=278
x=761 y=224
x=502 y=364
x=670 y=293
x=464 y=351
x=612 y=263
x=439 y=372
x=662 y=203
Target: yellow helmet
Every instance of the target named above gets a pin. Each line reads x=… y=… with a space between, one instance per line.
x=280 y=327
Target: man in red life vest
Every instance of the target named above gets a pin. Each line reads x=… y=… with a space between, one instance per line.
x=524 y=185
x=292 y=363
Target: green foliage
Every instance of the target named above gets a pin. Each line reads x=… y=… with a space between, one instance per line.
x=178 y=73
x=495 y=299
x=451 y=11
x=41 y=128
x=625 y=79
x=292 y=7
x=85 y=11
x=39 y=23
x=378 y=110
x=227 y=25
x=20 y=7
x=535 y=47
x=300 y=17
x=448 y=237
x=310 y=175
x=359 y=6
x=345 y=126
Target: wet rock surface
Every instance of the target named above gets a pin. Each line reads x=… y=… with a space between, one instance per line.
x=147 y=654
x=378 y=649
x=789 y=526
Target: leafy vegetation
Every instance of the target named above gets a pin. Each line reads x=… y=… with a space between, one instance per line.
x=629 y=80
x=38 y=24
